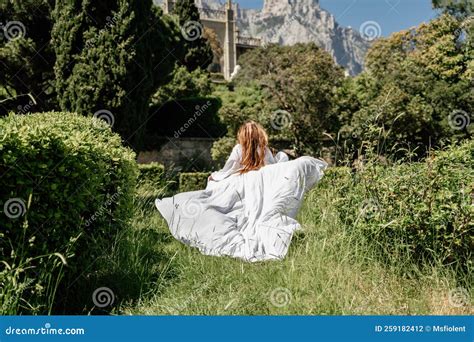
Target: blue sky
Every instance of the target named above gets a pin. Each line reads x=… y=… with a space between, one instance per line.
x=392 y=15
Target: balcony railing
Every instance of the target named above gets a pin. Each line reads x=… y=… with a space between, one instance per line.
x=209 y=13
x=249 y=41
x=220 y=14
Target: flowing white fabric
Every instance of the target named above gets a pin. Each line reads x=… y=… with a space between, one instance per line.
x=249 y=216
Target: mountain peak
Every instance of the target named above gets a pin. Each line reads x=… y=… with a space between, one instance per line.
x=288 y=22
x=281 y=6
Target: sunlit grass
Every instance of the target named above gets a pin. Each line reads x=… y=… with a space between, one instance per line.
x=329 y=270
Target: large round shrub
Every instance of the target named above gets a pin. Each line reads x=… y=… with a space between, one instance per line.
x=66 y=187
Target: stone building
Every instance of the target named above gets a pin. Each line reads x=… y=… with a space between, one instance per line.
x=223 y=23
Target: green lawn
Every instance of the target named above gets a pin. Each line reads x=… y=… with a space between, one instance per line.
x=329 y=270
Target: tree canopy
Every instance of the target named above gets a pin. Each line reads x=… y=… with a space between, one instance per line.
x=458 y=7
x=416 y=82
x=111 y=57
x=198 y=49
x=26 y=55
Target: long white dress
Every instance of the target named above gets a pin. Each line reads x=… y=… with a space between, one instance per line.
x=249 y=216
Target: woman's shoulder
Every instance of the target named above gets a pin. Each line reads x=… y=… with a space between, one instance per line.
x=237 y=148
x=236 y=151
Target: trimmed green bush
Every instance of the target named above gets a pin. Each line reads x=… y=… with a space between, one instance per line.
x=422 y=211
x=67 y=187
x=193 y=181
x=152 y=173
x=153 y=182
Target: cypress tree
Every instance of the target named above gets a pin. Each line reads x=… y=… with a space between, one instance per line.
x=111 y=56
x=198 y=49
x=26 y=55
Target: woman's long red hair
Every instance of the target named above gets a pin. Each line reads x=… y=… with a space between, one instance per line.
x=254 y=141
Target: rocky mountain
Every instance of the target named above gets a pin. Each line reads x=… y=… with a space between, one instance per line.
x=288 y=22
x=301 y=21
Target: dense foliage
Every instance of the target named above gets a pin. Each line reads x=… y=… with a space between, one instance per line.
x=88 y=58
x=199 y=53
x=184 y=84
x=107 y=57
x=298 y=84
x=416 y=92
x=67 y=184
x=459 y=7
x=26 y=55
x=421 y=211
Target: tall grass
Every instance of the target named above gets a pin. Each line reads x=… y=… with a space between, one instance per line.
x=28 y=284
x=330 y=269
x=135 y=267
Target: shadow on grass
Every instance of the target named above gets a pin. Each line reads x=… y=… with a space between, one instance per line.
x=298 y=238
x=135 y=266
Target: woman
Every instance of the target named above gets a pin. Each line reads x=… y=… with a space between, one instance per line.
x=251 y=153
x=248 y=209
